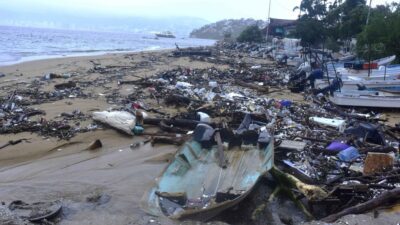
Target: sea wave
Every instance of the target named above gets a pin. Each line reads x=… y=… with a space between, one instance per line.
x=21 y=44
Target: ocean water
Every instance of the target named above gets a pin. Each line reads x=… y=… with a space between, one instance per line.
x=19 y=44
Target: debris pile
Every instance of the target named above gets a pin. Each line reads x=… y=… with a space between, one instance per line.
x=353 y=157
x=336 y=158
x=17 y=115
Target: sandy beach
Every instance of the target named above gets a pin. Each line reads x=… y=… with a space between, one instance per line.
x=45 y=169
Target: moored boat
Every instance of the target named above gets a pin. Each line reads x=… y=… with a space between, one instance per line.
x=165 y=34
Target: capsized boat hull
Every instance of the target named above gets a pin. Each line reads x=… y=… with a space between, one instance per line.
x=207 y=188
x=366 y=99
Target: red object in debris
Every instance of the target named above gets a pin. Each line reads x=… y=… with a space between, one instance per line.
x=135 y=105
x=367 y=66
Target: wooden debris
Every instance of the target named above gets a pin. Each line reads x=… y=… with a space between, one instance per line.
x=380 y=200
x=221 y=158
x=378 y=162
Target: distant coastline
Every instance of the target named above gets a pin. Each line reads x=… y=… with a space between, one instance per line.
x=22 y=44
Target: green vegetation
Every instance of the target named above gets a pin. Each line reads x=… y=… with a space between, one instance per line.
x=382 y=36
x=251 y=34
x=225 y=29
x=334 y=23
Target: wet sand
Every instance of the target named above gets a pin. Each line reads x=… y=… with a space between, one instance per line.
x=115 y=176
x=47 y=169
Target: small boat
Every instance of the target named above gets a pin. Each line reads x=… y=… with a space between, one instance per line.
x=385 y=61
x=381 y=72
x=355 y=84
x=347 y=58
x=165 y=34
x=374 y=99
x=195 y=186
x=376 y=74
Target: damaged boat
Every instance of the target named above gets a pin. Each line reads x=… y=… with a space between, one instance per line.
x=211 y=173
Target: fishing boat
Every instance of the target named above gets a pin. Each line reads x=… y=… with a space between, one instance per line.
x=385 y=61
x=355 y=83
x=378 y=99
x=347 y=58
x=381 y=73
x=196 y=186
x=165 y=34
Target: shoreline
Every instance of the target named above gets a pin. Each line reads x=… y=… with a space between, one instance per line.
x=80 y=55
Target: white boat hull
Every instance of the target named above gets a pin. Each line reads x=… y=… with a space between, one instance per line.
x=366 y=99
x=377 y=74
x=352 y=84
x=386 y=60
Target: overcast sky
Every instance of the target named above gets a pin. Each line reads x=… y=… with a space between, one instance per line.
x=211 y=10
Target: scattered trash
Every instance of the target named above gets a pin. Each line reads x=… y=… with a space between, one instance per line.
x=204 y=117
x=120 y=120
x=337 y=157
x=37 y=211
x=349 y=154
x=339 y=124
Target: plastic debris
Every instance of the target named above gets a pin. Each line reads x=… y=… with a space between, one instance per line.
x=121 y=120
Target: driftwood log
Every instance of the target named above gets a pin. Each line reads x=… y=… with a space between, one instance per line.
x=168 y=140
x=252 y=86
x=287 y=182
x=12 y=142
x=191 y=53
x=191 y=124
x=384 y=198
x=171 y=129
x=142 y=82
x=311 y=192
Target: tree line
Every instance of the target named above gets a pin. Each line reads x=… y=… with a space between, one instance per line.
x=332 y=24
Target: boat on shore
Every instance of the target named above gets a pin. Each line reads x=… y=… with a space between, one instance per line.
x=389 y=73
x=195 y=186
x=375 y=99
x=165 y=34
x=356 y=84
x=385 y=61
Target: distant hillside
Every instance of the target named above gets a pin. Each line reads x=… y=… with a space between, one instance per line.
x=219 y=29
x=180 y=26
